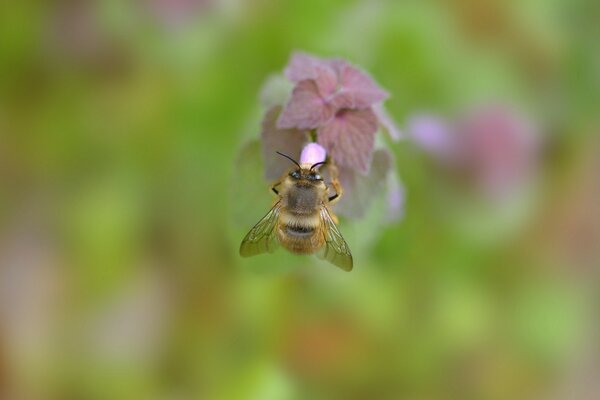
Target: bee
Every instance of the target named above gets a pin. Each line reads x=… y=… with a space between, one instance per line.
x=301 y=219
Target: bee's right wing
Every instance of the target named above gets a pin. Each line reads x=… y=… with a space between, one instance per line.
x=263 y=237
x=335 y=250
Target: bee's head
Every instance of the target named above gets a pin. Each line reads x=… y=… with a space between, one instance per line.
x=309 y=174
x=305 y=174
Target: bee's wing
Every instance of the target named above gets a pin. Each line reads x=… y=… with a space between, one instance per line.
x=262 y=238
x=335 y=250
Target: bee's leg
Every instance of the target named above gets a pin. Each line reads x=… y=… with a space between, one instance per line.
x=275 y=190
x=335 y=183
x=338 y=192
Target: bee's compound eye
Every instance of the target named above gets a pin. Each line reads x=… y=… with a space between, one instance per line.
x=313 y=176
x=295 y=174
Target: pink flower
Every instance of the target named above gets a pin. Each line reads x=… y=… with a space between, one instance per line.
x=176 y=14
x=433 y=134
x=501 y=146
x=333 y=113
x=494 y=146
x=336 y=100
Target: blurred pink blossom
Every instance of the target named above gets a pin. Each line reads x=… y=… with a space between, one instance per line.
x=177 y=13
x=433 y=134
x=501 y=146
x=395 y=199
x=495 y=146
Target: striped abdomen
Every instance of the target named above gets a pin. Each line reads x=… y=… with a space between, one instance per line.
x=300 y=233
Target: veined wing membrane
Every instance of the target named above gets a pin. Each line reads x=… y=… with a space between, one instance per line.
x=263 y=237
x=335 y=250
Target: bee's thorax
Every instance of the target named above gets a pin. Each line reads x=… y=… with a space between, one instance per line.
x=303 y=197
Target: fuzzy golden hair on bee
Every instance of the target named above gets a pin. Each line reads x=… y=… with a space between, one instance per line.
x=301 y=221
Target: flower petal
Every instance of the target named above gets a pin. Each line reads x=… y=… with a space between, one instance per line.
x=360 y=190
x=432 y=134
x=301 y=67
x=306 y=109
x=500 y=146
x=327 y=82
x=387 y=122
x=287 y=141
x=357 y=89
x=396 y=198
x=349 y=138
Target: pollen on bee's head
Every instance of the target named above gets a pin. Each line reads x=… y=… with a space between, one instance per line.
x=312 y=153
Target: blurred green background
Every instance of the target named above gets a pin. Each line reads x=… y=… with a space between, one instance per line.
x=121 y=210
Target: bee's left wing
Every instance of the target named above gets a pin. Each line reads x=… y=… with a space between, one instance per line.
x=262 y=238
x=335 y=250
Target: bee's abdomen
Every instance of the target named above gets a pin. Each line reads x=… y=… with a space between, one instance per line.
x=300 y=234
x=299 y=221
x=299 y=230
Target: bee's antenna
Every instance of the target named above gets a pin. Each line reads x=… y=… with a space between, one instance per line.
x=317 y=164
x=289 y=158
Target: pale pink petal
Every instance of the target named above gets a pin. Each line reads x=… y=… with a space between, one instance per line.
x=301 y=67
x=500 y=146
x=336 y=64
x=350 y=137
x=357 y=89
x=313 y=153
x=343 y=99
x=306 y=109
x=327 y=82
x=396 y=198
x=387 y=122
x=360 y=190
x=434 y=135
x=287 y=141
x=176 y=14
